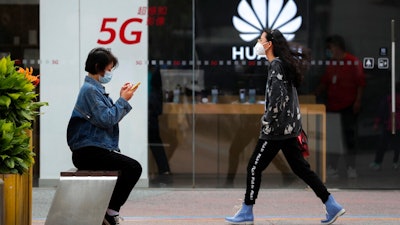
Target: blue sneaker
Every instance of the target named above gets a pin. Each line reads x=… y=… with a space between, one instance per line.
x=333 y=210
x=244 y=216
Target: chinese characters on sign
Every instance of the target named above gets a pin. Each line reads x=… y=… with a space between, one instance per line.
x=155 y=14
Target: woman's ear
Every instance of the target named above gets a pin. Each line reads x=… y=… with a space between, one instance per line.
x=268 y=45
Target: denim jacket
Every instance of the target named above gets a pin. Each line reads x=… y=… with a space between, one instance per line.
x=282 y=118
x=94 y=120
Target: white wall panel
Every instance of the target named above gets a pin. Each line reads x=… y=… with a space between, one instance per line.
x=66 y=37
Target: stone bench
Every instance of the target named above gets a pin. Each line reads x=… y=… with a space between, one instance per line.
x=82 y=197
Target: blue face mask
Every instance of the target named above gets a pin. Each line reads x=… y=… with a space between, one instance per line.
x=106 y=78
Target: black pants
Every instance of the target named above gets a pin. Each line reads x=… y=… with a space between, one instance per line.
x=249 y=129
x=94 y=158
x=156 y=145
x=264 y=153
x=349 y=122
x=388 y=141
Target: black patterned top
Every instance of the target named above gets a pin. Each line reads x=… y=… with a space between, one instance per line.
x=282 y=118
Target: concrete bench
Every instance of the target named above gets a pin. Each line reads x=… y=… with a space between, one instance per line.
x=82 y=197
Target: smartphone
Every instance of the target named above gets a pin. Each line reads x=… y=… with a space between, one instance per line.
x=135 y=86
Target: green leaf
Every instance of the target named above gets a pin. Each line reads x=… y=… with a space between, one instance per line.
x=7 y=138
x=3 y=157
x=28 y=87
x=26 y=114
x=5 y=101
x=22 y=166
x=20 y=150
x=14 y=96
x=6 y=126
x=3 y=65
x=9 y=163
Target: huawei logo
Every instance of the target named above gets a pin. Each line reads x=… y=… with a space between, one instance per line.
x=270 y=14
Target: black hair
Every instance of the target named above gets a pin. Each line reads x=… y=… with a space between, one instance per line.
x=98 y=59
x=336 y=40
x=296 y=63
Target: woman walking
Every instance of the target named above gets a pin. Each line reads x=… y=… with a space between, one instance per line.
x=281 y=124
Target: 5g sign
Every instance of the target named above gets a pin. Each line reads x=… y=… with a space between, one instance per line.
x=109 y=27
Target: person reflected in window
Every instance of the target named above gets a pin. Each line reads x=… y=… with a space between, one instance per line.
x=388 y=139
x=280 y=126
x=155 y=110
x=343 y=82
x=93 y=131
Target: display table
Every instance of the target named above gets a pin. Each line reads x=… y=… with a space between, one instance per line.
x=173 y=108
x=215 y=123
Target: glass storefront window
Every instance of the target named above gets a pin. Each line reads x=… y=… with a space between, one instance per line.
x=213 y=84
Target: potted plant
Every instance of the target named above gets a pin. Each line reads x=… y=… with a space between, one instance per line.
x=18 y=108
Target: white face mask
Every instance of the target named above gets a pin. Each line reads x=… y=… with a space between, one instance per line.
x=259 y=49
x=106 y=78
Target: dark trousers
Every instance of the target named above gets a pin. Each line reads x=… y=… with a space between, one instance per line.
x=349 y=122
x=349 y=126
x=94 y=158
x=388 y=141
x=156 y=145
x=264 y=153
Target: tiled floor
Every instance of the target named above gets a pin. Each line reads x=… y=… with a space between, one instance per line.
x=150 y=206
x=370 y=199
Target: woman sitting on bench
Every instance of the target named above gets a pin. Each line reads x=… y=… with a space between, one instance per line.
x=93 y=132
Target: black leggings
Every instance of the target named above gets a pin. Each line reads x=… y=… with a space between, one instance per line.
x=94 y=158
x=265 y=152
